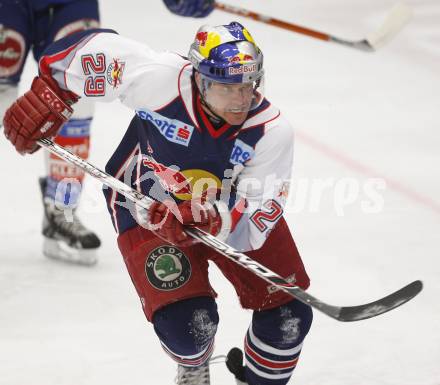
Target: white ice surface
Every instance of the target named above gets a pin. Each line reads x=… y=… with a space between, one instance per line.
x=358 y=116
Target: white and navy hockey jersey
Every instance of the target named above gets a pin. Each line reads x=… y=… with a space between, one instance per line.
x=171 y=149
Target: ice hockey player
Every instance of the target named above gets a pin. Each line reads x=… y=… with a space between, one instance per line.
x=212 y=152
x=35 y=24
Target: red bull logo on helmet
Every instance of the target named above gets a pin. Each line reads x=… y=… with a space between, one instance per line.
x=244 y=69
x=241 y=58
x=202 y=37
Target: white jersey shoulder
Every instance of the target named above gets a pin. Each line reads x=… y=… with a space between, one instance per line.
x=107 y=66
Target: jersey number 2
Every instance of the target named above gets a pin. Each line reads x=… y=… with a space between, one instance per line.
x=259 y=218
x=95 y=67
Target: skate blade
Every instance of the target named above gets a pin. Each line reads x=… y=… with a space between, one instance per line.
x=59 y=251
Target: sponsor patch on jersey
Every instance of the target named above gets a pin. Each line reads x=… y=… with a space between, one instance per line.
x=172 y=130
x=241 y=152
x=12 y=50
x=167 y=268
x=114 y=72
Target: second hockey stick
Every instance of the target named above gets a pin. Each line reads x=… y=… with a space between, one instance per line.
x=396 y=19
x=340 y=313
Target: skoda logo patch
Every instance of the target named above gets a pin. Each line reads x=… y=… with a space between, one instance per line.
x=167 y=268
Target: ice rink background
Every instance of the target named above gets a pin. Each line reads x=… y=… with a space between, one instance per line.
x=359 y=116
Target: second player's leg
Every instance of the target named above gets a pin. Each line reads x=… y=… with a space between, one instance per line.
x=65 y=237
x=15 y=40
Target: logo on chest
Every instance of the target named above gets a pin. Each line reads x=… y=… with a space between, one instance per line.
x=241 y=152
x=172 y=130
x=183 y=184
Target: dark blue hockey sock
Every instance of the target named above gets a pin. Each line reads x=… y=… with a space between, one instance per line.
x=187 y=328
x=274 y=341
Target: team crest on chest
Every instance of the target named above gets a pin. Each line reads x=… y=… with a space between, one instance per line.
x=167 y=268
x=183 y=184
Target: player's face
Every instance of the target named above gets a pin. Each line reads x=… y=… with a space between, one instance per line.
x=231 y=102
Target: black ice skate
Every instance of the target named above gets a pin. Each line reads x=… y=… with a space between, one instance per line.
x=65 y=237
x=234 y=362
x=193 y=375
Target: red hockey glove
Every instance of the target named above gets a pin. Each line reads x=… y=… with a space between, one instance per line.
x=168 y=220
x=38 y=114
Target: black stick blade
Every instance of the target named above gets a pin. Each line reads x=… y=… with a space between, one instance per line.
x=383 y=305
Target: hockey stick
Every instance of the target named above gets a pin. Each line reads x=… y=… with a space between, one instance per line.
x=396 y=19
x=344 y=313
